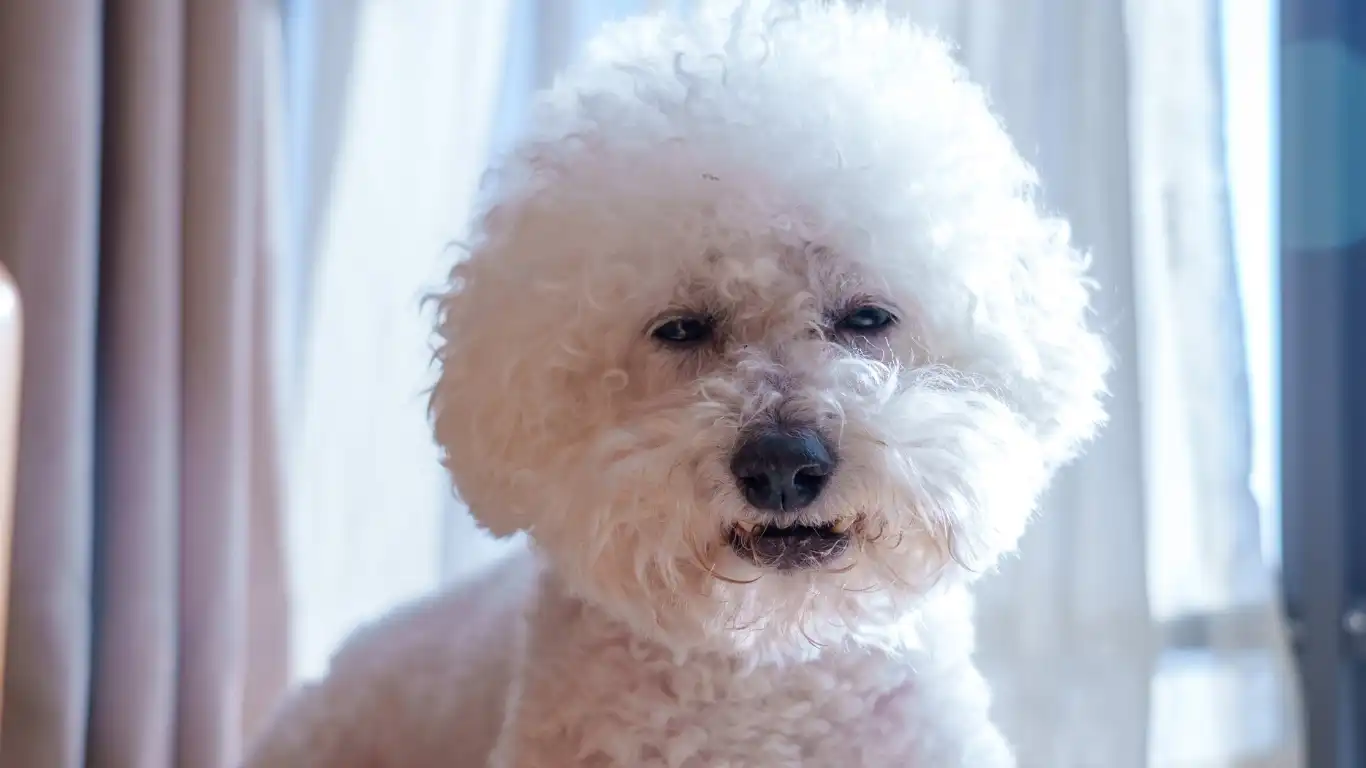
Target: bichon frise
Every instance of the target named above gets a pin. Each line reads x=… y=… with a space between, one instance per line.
x=766 y=343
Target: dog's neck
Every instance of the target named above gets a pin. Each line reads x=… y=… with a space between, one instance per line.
x=591 y=692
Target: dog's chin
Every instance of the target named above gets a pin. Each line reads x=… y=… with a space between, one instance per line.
x=791 y=546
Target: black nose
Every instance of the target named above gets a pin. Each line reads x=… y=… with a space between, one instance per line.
x=782 y=470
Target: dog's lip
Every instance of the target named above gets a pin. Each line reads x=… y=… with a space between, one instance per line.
x=840 y=525
x=791 y=546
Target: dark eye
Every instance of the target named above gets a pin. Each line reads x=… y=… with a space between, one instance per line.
x=866 y=320
x=683 y=331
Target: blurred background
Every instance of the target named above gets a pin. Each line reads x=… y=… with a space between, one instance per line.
x=222 y=217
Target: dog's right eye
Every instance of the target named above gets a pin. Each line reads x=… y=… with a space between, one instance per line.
x=683 y=331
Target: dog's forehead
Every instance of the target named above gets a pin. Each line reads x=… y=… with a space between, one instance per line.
x=768 y=272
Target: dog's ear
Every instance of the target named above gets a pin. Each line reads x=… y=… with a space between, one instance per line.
x=476 y=425
x=1064 y=394
x=498 y=399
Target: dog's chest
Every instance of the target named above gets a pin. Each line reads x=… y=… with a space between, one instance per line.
x=620 y=705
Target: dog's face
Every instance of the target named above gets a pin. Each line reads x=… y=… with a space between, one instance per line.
x=751 y=379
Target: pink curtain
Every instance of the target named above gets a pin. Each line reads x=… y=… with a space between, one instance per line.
x=146 y=612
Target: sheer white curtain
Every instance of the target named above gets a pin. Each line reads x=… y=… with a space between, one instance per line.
x=368 y=501
x=1140 y=625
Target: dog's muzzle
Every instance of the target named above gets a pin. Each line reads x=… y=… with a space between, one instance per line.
x=781 y=472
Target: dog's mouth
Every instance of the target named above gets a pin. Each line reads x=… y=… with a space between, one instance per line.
x=791 y=547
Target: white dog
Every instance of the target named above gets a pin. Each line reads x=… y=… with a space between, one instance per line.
x=765 y=342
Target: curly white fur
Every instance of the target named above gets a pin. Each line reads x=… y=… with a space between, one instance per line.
x=767 y=168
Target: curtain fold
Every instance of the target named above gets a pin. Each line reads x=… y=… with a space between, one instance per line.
x=49 y=159
x=139 y=359
x=221 y=178
x=131 y=216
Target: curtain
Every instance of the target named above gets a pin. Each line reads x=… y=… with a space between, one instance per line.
x=1139 y=625
x=147 y=614
x=369 y=504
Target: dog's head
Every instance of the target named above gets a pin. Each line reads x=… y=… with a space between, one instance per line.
x=763 y=336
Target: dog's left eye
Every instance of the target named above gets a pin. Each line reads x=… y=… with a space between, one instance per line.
x=866 y=320
x=683 y=331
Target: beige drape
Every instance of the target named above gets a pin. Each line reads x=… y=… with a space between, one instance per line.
x=146 y=620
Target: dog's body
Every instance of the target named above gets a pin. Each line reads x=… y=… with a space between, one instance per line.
x=429 y=686
x=424 y=687
x=766 y=344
